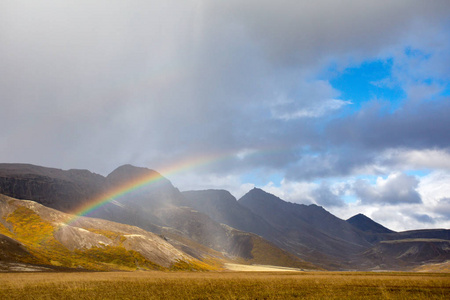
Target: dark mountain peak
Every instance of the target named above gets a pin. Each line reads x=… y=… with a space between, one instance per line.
x=366 y=224
x=127 y=173
x=258 y=190
x=154 y=192
x=360 y=215
x=223 y=207
x=314 y=207
x=212 y=195
x=131 y=170
x=260 y=196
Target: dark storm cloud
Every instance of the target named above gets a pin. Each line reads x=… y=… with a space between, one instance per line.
x=325 y=197
x=333 y=162
x=396 y=189
x=292 y=32
x=418 y=126
x=423 y=218
x=96 y=84
x=357 y=143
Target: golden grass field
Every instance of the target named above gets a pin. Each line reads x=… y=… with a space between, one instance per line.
x=224 y=285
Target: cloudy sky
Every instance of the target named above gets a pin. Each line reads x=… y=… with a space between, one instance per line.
x=345 y=104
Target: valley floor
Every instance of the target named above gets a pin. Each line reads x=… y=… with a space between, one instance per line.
x=259 y=268
x=224 y=285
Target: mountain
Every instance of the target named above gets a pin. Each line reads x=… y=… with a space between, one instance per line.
x=61 y=190
x=156 y=191
x=155 y=206
x=66 y=191
x=284 y=215
x=309 y=231
x=204 y=226
x=312 y=233
x=166 y=207
x=366 y=224
x=406 y=253
x=223 y=207
x=35 y=235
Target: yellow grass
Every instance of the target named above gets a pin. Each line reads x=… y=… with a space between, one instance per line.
x=36 y=235
x=224 y=285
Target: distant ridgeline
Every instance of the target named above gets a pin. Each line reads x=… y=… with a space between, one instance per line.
x=202 y=229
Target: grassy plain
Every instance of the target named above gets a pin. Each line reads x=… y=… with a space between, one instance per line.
x=224 y=285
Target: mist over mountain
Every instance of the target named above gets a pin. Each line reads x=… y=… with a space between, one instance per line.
x=309 y=231
x=40 y=236
x=161 y=208
x=257 y=228
x=223 y=207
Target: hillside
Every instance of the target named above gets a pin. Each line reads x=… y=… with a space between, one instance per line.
x=159 y=207
x=164 y=205
x=46 y=236
x=59 y=189
x=407 y=253
x=310 y=232
x=206 y=226
x=223 y=207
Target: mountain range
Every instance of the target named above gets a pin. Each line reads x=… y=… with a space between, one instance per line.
x=152 y=225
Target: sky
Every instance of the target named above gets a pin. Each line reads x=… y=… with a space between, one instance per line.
x=343 y=104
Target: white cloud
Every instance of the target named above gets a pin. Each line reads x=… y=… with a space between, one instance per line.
x=396 y=188
x=324 y=194
x=438 y=159
x=435 y=188
x=292 y=32
x=186 y=181
x=433 y=212
x=296 y=192
x=399 y=217
x=313 y=111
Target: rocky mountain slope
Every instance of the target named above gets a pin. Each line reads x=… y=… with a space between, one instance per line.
x=212 y=225
x=59 y=189
x=38 y=235
x=406 y=253
x=314 y=234
x=161 y=209
x=309 y=231
x=164 y=205
x=223 y=207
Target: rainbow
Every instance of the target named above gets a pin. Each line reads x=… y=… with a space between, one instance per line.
x=154 y=177
x=140 y=182
x=128 y=187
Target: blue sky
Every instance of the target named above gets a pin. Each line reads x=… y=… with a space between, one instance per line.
x=363 y=83
x=342 y=104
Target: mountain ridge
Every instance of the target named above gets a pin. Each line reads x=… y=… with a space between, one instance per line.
x=159 y=205
x=259 y=227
